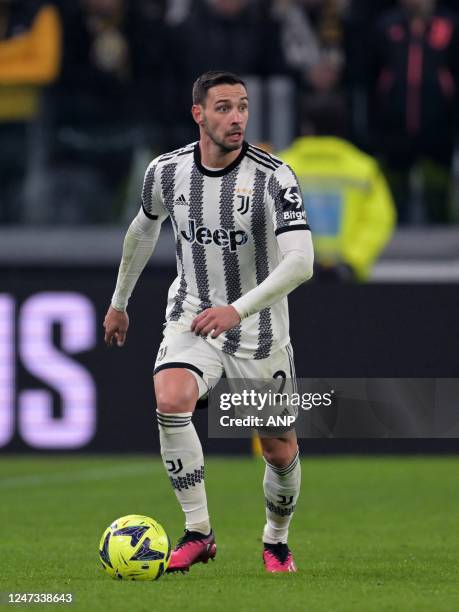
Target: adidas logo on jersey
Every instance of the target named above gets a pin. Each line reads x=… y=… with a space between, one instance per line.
x=181 y=200
x=221 y=237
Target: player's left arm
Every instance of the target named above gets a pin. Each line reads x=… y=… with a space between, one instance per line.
x=296 y=266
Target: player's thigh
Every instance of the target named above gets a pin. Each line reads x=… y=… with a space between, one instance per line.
x=185 y=366
x=279 y=366
x=280 y=449
x=279 y=446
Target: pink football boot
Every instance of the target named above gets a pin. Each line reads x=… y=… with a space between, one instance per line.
x=192 y=548
x=278 y=558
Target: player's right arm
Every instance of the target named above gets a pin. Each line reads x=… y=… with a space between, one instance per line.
x=138 y=246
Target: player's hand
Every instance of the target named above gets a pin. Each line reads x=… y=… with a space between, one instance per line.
x=216 y=320
x=116 y=324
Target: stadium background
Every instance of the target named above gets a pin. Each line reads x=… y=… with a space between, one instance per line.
x=90 y=92
x=80 y=118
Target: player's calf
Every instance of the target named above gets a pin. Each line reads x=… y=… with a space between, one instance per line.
x=181 y=449
x=281 y=487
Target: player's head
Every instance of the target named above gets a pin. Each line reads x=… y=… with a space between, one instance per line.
x=221 y=108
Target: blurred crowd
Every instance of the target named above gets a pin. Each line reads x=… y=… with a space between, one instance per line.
x=90 y=90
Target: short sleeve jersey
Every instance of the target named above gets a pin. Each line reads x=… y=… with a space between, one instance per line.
x=225 y=224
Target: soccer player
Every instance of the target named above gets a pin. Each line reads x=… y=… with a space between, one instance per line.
x=242 y=244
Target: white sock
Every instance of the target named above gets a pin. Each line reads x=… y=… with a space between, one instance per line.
x=282 y=488
x=182 y=456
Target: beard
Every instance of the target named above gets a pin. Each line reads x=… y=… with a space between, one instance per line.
x=225 y=147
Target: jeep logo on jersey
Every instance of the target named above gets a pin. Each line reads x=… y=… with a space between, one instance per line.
x=221 y=237
x=292 y=204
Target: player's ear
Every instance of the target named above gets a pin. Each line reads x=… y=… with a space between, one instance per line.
x=197 y=112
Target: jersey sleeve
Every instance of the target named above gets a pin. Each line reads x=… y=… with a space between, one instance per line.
x=152 y=202
x=285 y=201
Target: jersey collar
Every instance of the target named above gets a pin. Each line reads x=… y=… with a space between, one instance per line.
x=223 y=171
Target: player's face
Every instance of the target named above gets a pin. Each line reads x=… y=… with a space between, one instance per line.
x=224 y=115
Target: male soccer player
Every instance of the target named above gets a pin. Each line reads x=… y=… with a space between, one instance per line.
x=242 y=244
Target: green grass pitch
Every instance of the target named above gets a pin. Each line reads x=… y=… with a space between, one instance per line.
x=370 y=534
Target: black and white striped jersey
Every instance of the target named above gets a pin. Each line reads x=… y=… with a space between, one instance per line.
x=225 y=224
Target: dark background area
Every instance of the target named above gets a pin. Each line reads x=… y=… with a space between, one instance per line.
x=337 y=331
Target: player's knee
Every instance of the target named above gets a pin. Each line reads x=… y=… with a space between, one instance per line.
x=171 y=401
x=278 y=459
x=175 y=391
x=279 y=453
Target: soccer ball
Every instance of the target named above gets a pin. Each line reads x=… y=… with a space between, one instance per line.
x=135 y=547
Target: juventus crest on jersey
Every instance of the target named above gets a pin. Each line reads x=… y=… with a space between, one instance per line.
x=225 y=224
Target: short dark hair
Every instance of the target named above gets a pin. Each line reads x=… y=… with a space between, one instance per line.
x=210 y=79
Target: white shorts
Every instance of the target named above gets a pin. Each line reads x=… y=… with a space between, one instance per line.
x=181 y=348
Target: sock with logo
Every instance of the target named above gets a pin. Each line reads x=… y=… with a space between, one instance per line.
x=282 y=488
x=182 y=456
